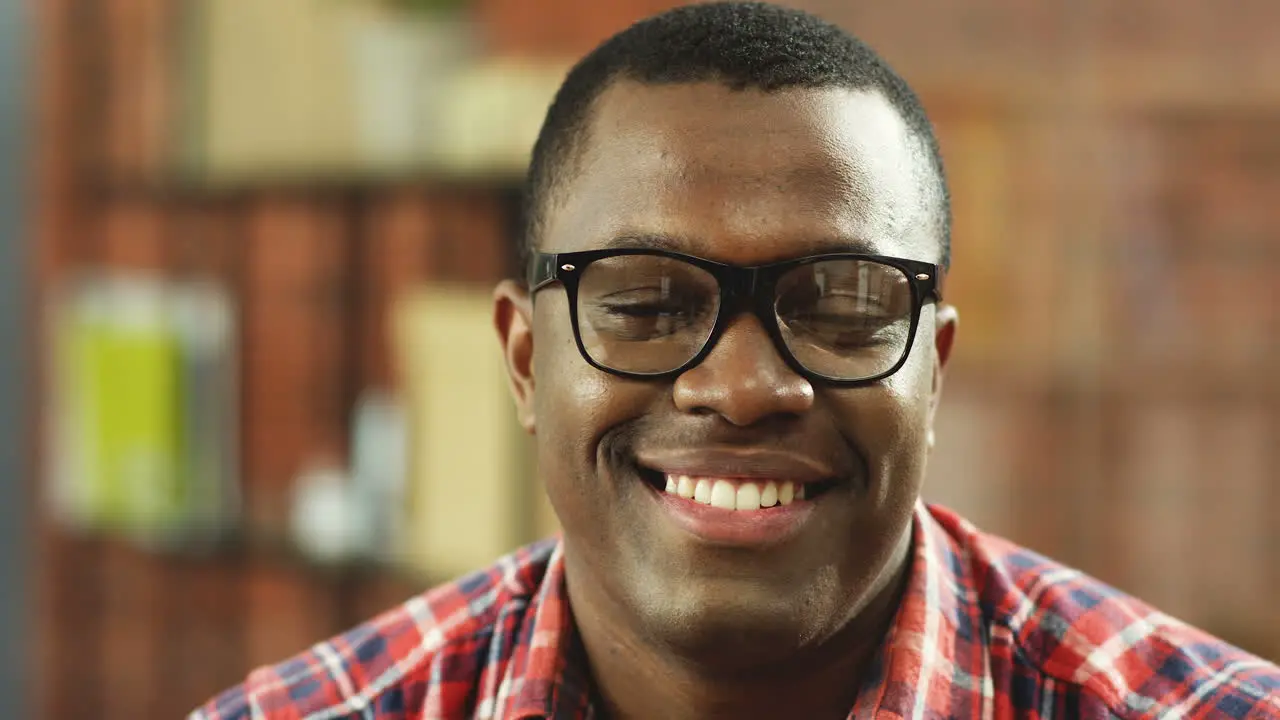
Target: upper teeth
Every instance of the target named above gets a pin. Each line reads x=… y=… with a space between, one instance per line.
x=734 y=494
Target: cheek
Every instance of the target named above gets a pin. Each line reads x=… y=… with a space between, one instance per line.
x=572 y=398
x=567 y=391
x=567 y=396
x=887 y=423
x=576 y=406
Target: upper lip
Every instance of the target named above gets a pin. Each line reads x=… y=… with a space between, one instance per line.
x=755 y=463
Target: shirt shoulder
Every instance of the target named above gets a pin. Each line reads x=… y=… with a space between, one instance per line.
x=430 y=651
x=1124 y=656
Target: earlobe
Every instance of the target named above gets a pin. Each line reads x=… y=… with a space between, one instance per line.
x=513 y=319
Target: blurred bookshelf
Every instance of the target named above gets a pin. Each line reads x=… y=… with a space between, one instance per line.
x=1101 y=408
x=235 y=346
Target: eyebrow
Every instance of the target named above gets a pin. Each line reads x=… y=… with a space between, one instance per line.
x=674 y=243
x=656 y=241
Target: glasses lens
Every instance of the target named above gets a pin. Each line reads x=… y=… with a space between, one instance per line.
x=846 y=319
x=645 y=313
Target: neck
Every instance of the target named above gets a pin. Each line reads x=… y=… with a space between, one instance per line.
x=638 y=678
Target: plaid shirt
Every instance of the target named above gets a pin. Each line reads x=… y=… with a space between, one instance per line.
x=986 y=629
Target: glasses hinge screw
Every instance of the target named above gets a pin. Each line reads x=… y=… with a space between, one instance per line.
x=922 y=276
x=566 y=267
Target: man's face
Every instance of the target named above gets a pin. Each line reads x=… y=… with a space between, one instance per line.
x=745 y=178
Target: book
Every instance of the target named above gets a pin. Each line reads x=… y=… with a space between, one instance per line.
x=470 y=490
x=203 y=319
x=118 y=363
x=143 y=438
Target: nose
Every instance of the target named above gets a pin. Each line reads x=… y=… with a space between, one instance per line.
x=743 y=379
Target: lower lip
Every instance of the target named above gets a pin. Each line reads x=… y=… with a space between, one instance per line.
x=735 y=528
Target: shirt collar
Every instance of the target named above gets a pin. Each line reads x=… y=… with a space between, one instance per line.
x=547 y=677
x=919 y=659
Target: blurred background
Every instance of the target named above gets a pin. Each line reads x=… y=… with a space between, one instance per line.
x=247 y=356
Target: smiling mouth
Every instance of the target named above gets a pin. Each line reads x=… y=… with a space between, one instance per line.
x=740 y=494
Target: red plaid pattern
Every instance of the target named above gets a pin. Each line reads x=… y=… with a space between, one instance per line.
x=986 y=630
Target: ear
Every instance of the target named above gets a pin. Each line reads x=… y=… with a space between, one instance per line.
x=513 y=319
x=945 y=322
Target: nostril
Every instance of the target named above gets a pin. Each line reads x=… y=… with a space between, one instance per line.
x=743 y=379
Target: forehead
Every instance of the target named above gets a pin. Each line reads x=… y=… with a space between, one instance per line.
x=746 y=177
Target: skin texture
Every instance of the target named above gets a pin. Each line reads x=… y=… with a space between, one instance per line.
x=675 y=627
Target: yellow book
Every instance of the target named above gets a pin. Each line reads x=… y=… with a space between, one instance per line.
x=135 y=384
x=116 y=430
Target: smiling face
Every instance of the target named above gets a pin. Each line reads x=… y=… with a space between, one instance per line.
x=745 y=178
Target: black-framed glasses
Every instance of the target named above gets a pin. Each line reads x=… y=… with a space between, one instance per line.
x=647 y=313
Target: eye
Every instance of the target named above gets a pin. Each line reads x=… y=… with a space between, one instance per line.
x=843 y=330
x=643 y=310
x=851 y=308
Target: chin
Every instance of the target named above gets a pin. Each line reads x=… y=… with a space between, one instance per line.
x=729 y=625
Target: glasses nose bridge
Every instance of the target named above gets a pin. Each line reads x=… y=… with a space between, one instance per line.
x=741 y=289
x=739 y=286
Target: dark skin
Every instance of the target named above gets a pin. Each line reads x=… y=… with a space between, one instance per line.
x=675 y=627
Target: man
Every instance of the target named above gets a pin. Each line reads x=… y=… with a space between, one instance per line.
x=730 y=347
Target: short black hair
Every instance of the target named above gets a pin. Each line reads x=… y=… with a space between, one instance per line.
x=744 y=45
